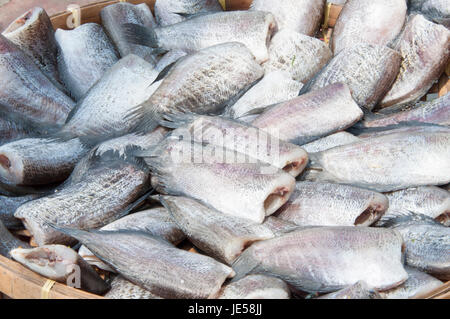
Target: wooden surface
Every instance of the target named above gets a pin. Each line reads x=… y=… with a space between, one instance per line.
x=442 y=292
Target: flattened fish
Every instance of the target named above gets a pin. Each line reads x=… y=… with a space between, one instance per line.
x=302 y=56
x=360 y=290
x=326 y=259
x=155 y=264
x=303 y=16
x=124 y=289
x=326 y=204
x=169 y=12
x=274 y=87
x=367 y=21
x=84 y=55
x=425 y=49
x=330 y=141
x=368 y=70
x=62 y=264
x=8 y=242
x=220 y=236
x=307 y=118
x=8 y=206
x=27 y=91
x=256 y=287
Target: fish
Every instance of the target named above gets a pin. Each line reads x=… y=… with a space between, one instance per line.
x=84 y=55
x=33 y=33
x=435 y=112
x=436 y=10
x=425 y=48
x=156 y=265
x=8 y=242
x=253 y=29
x=300 y=55
x=279 y=226
x=183 y=168
x=156 y=221
x=427 y=243
x=431 y=201
x=39 y=161
x=109 y=188
x=418 y=284
x=327 y=204
x=326 y=259
x=360 y=290
x=303 y=16
x=241 y=137
x=203 y=83
x=366 y=21
x=25 y=90
x=274 y=87
x=169 y=59
x=220 y=236
x=115 y=15
x=106 y=108
x=61 y=264
x=306 y=118
x=8 y=206
x=256 y=287
x=368 y=70
x=168 y=12
x=330 y=141
x=387 y=162
x=124 y=289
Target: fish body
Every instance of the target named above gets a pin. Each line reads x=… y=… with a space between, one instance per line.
x=274 y=87
x=436 y=10
x=8 y=242
x=300 y=55
x=279 y=226
x=307 y=118
x=256 y=287
x=84 y=55
x=303 y=16
x=14 y=126
x=366 y=21
x=8 y=206
x=330 y=141
x=326 y=204
x=425 y=49
x=168 y=12
x=60 y=263
x=360 y=290
x=368 y=70
x=326 y=259
x=124 y=289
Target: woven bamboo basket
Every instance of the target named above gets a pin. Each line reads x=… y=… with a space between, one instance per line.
x=18 y=282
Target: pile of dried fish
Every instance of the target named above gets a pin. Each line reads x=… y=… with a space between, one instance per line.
x=202 y=153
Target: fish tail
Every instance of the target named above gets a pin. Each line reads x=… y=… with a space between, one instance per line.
x=175 y=120
x=137 y=34
x=245 y=264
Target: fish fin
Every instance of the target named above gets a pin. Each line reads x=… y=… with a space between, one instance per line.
x=245 y=264
x=176 y=120
x=402 y=216
x=140 y=35
x=147 y=118
x=164 y=72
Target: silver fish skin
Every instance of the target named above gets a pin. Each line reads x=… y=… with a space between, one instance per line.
x=435 y=112
x=425 y=49
x=39 y=161
x=330 y=141
x=300 y=55
x=427 y=243
x=243 y=138
x=107 y=106
x=155 y=264
x=366 y=21
x=253 y=29
x=203 y=82
x=303 y=16
x=115 y=15
x=108 y=190
x=279 y=226
x=417 y=284
x=431 y=201
x=169 y=58
x=360 y=290
x=436 y=10
x=337 y=2
x=368 y=70
x=14 y=126
x=256 y=287
x=308 y=117
x=8 y=242
x=33 y=33
x=27 y=91
x=387 y=162
x=257 y=190
x=274 y=87
x=124 y=289
x=168 y=12
x=220 y=236
x=8 y=206
x=84 y=55
x=326 y=259
x=326 y=204
x=157 y=222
